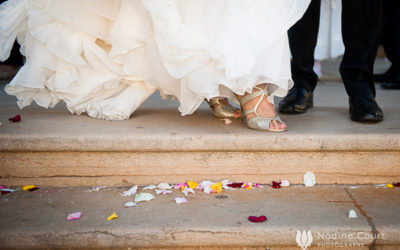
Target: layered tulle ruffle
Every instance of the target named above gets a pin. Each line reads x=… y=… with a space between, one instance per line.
x=106 y=57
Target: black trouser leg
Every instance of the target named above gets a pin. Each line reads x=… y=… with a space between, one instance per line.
x=303 y=39
x=361 y=26
x=391 y=33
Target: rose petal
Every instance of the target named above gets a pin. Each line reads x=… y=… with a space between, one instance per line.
x=33 y=189
x=257 y=219
x=188 y=190
x=276 y=184
x=143 y=197
x=205 y=184
x=163 y=186
x=247 y=185
x=130 y=204
x=192 y=184
x=285 y=183
x=207 y=189
x=149 y=187
x=258 y=185
x=352 y=214
x=397 y=184
x=131 y=191
x=163 y=192
x=217 y=187
x=389 y=185
x=74 y=216
x=16 y=118
x=28 y=187
x=180 y=185
x=113 y=216
x=236 y=185
x=309 y=179
x=180 y=200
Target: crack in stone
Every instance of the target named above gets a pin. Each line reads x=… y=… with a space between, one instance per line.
x=369 y=219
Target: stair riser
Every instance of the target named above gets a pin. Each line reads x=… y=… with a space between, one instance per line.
x=125 y=168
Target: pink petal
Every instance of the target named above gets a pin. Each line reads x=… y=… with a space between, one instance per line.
x=74 y=216
x=16 y=118
x=180 y=200
x=256 y=219
x=180 y=185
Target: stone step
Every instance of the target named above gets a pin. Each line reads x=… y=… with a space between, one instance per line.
x=55 y=148
x=37 y=220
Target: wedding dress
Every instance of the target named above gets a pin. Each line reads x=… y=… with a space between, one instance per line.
x=330 y=43
x=106 y=57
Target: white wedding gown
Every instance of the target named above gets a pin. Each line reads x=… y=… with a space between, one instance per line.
x=106 y=57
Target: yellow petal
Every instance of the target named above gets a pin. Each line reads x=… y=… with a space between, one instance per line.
x=112 y=216
x=217 y=187
x=28 y=187
x=389 y=185
x=193 y=185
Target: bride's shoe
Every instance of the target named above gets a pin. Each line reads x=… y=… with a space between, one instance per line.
x=223 y=110
x=257 y=122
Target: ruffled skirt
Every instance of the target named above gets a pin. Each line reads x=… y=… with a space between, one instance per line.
x=106 y=57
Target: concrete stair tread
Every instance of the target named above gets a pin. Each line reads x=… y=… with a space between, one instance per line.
x=38 y=219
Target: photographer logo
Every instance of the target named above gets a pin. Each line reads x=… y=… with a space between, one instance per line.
x=304 y=239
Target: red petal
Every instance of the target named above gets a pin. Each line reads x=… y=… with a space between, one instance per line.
x=397 y=184
x=256 y=219
x=235 y=185
x=276 y=184
x=16 y=118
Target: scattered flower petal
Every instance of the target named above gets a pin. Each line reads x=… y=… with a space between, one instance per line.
x=389 y=185
x=380 y=185
x=149 y=187
x=236 y=185
x=51 y=190
x=205 y=185
x=5 y=190
x=163 y=186
x=207 y=189
x=225 y=184
x=353 y=187
x=180 y=200
x=131 y=191
x=180 y=185
x=227 y=121
x=163 y=191
x=352 y=214
x=74 y=216
x=309 y=179
x=130 y=204
x=16 y=118
x=276 y=185
x=217 y=187
x=28 y=187
x=397 y=184
x=187 y=190
x=192 y=184
x=113 y=216
x=258 y=185
x=96 y=188
x=285 y=183
x=257 y=219
x=143 y=197
x=247 y=185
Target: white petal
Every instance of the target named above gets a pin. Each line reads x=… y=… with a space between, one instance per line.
x=285 y=183
x=130 y=204
x=163 y=186
x=352 y=214
x=163 y=192
x=149 y=187
x=309 y=179
x=143 y=197
x=130 y=192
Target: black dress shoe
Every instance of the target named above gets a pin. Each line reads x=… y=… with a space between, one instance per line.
x=297 y=101
x=365 y=109
x=392 y=83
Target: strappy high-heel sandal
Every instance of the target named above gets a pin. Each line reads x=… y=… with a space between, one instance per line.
x=221 y=110
x=258 y=122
